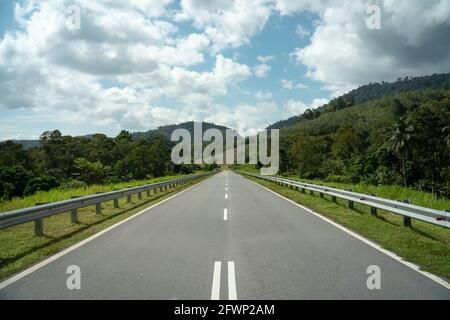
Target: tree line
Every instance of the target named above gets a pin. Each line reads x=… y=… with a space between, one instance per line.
x=64 y=161
x=401 y=139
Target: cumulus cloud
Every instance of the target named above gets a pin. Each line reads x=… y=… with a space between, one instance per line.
x=261 y=70
x=301 y=31
x=291 y=85
x=344 y=53
x=228 y=24
x=133 y=66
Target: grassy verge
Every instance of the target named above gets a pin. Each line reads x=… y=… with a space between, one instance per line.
x=425 y=245
x=20 y=248
x=65 y=194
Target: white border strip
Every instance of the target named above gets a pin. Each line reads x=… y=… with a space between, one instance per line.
x=45 y=262
x=411 y=265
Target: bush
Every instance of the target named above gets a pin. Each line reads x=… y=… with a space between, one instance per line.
x=73 y=184
x=6 y=190
x=111 y=180
x=338 y=179
x=42 y=183
x=16 y=176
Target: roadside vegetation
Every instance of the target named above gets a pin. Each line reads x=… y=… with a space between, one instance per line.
x=20 y=248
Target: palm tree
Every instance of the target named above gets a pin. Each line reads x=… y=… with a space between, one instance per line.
x=399 y=144
x=447 y=139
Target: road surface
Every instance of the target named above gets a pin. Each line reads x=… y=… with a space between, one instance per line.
x=226 y=238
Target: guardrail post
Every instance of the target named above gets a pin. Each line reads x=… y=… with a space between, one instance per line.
x=303 y=190
x=311 y=192
x=74 y=212
x=129 y=198
x=139 y=195
x=407 y=220
x=373 y=210
x=39 y=223
x=149 y=192
x=116 y=203
x=98 y=206
x=321 y=195
x=333 y=198
x=161 y=189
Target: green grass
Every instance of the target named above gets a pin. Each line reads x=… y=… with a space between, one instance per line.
x=59 y=195
x=20 y=248
x=425 y=245
x=393 y=192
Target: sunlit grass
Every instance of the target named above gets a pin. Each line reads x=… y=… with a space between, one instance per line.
x=393 y=192
x=65 y=194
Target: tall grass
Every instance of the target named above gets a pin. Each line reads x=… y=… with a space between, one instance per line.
x=393 y=192
x=65 y=194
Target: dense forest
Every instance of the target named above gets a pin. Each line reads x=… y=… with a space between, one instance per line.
x=370 y=92
x=399 y=139
x=65 y=162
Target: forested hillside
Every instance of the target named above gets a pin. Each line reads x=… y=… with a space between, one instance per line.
x=370 y=92
x=400 y=139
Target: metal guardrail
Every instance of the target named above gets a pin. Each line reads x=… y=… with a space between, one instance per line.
x=403 y=208
x=37 y=213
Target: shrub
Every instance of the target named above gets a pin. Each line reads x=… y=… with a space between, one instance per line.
x=42 y=183
x=73 y=184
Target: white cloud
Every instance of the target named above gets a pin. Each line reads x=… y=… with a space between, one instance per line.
x=261 y=70
x=302 y=32
x=319 y=102
x=344 y=53
x=265 y=59
x=261 y=95
x=227 y=23
x=293 y=108
x=291 y=85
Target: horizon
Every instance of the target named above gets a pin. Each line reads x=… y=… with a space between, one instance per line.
x=182 y=61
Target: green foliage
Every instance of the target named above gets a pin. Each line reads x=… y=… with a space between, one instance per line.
x=14 y=180
x=43 y=183
x=402 y=139
x=73 y=184
x=90 y=172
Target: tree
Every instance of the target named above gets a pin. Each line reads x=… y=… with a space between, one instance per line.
x=399 y=143
x=42 y=183
x=15 y=176
x=90 y=172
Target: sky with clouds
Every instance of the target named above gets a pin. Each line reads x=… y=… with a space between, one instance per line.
x=139 y=64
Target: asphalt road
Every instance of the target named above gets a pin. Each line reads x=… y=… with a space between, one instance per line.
x=261 y=247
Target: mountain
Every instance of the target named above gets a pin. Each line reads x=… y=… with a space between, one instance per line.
x=163 y=131
x=371 y=92
x=166 y=131
x=28 y=144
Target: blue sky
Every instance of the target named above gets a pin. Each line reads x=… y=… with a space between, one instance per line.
x=245 y=64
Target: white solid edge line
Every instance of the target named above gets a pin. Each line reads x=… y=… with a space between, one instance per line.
x=232 y=293
x=226 y=195
x=43 y=263
x=215 y=291
x=225 y=214
x=366 y=241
